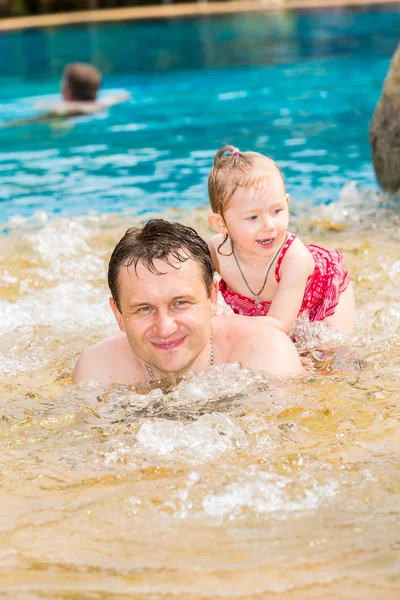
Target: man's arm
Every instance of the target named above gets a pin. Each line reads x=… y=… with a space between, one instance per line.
x=76 y=108
x=111 y=100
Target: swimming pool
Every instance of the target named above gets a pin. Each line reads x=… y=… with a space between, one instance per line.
x=233 y=484
x=299 y=86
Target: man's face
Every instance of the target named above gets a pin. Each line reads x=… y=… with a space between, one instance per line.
x=167 y=318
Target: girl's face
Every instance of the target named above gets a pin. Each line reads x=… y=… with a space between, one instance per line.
x=257 y=219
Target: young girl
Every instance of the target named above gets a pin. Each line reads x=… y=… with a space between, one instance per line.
x=265 y=269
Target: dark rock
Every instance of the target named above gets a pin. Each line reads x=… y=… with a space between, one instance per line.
x=384 y=130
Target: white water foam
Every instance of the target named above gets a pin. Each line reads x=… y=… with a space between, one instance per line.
x=68 y=307
x=356 y=205
x=64 y=248
x=266 y=493
x=208 y=438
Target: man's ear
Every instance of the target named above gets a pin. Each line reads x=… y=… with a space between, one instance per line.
x=66 y=93
x=214 y=297
x=216 y=221
x=117 y=314
x=288 y=198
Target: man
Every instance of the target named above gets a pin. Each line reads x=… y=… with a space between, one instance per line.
x=164 y=299
x=79 y=87
x=80 y=83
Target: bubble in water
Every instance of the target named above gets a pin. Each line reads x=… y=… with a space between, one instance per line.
x=386 y=321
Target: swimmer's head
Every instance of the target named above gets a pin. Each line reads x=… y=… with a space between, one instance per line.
x=233 y=170
x=80 y=82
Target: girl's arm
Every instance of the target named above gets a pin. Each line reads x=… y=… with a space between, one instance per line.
x=297 y=266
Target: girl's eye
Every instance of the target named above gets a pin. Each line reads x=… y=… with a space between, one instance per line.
x=277 y=211
x=252 y=218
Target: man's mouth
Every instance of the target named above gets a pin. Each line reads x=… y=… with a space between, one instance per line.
x=266 y=243
x=168 y=345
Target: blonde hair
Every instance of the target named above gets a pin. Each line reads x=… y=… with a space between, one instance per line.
x=231 y=171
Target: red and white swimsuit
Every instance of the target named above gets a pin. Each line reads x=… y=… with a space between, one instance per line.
x=324 y=286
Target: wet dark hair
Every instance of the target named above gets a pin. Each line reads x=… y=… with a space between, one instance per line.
x=83 y=81
x=163 y=240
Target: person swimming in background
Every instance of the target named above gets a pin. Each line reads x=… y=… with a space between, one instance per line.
x=80 y=84
x=265 y=269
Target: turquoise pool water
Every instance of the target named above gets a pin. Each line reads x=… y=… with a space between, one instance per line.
x=300 y=86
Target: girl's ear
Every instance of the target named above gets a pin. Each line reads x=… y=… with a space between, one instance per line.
x=216 y=221
x=288 y=198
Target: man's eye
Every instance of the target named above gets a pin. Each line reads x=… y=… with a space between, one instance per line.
x=181 y=303
x=144 y=309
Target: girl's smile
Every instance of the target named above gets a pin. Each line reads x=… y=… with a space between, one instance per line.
x=266 y=243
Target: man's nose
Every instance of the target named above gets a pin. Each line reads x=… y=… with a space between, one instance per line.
x=165 y=325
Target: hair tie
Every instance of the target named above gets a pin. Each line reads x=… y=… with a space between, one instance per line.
x=230 y=153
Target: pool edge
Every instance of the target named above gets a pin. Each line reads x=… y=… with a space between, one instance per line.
x=171 y=11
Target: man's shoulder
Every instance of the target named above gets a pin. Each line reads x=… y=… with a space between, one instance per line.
x=76 y=108
x=73 y=109
x=255 y=344
x=104 y=361
x=235 y=325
